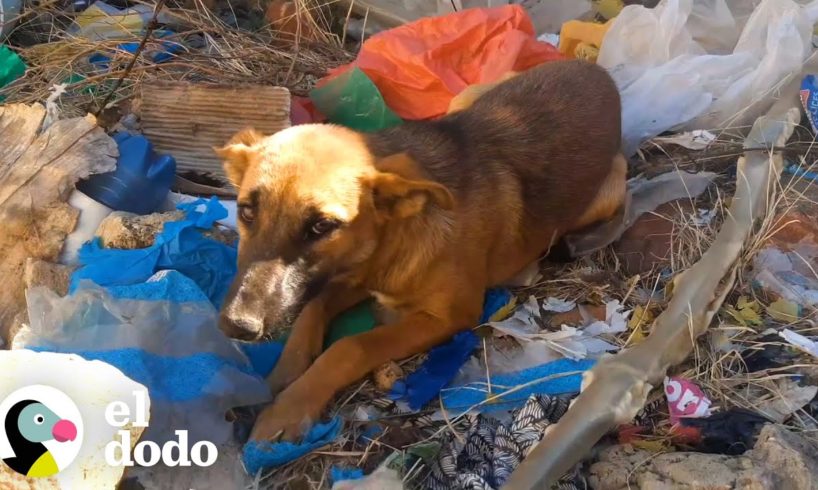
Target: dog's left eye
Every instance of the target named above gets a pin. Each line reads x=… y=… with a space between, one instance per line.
x=247 y=213
x=323 y=227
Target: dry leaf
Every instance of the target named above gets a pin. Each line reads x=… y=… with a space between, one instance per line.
x=746 y=312
x=656 y=446
x=640 y=319
x=783 y=311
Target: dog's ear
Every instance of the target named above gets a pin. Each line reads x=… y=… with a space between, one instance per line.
x=400 y=191
x=236 y=154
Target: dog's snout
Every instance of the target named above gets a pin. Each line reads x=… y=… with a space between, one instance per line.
x=241 y=328
x=265 y=299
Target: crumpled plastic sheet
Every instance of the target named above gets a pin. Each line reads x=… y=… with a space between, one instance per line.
x=445 y=360
x=688 y=64
x=181 y=246
x=789 y=273
x=263 y=356
x=644 y=196
x=685 y=399
x=162 y=333
x=436 y=371
x=420 y=66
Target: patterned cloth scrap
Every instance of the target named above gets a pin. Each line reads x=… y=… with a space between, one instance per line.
x=488 y=451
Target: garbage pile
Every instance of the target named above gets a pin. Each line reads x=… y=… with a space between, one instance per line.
x=687 y=324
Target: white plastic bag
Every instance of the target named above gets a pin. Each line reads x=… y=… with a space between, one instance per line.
x=675 y=70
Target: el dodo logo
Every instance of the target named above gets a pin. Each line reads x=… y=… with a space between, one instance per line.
x=41 y=431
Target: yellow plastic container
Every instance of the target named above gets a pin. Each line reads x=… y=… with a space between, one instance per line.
x=583 y=40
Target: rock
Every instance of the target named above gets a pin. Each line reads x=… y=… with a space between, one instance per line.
x=623 y=467
x=647 y=243
x=780 y=459
x=130 y=231
x=791 y=459
x=92 y=386
x=55 y=277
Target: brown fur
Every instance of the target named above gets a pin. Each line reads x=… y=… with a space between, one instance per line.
x=433 y=213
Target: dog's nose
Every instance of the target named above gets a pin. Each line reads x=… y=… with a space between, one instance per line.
x=241 y=328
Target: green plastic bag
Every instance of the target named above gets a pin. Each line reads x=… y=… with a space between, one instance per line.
x=352 y=100
x=11 y=68
x=358 y=319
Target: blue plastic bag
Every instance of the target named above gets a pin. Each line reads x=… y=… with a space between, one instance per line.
x=181 y=246
x=445 y=360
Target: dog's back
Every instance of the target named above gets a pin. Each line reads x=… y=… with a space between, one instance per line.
x=542 y=147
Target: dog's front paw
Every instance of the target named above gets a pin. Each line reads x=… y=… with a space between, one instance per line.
x=289 y=417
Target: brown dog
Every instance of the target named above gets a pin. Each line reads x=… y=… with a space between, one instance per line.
x=424 y=217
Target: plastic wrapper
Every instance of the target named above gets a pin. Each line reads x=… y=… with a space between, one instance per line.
x=786 y=265
x=809 y=99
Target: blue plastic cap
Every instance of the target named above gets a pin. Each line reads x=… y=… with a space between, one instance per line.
x=141 y=181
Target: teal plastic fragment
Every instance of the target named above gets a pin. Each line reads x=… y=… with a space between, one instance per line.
x=352 y=100
x=12 y=67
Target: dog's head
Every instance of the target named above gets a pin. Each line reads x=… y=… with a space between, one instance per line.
x=313 y=203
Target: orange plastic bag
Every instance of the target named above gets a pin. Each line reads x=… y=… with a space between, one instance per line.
x=419 y=67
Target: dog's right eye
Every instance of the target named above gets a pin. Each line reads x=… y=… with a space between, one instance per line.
x=322 y=227
x=247 y=213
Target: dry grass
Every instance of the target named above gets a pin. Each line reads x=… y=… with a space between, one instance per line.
x=210 y=50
